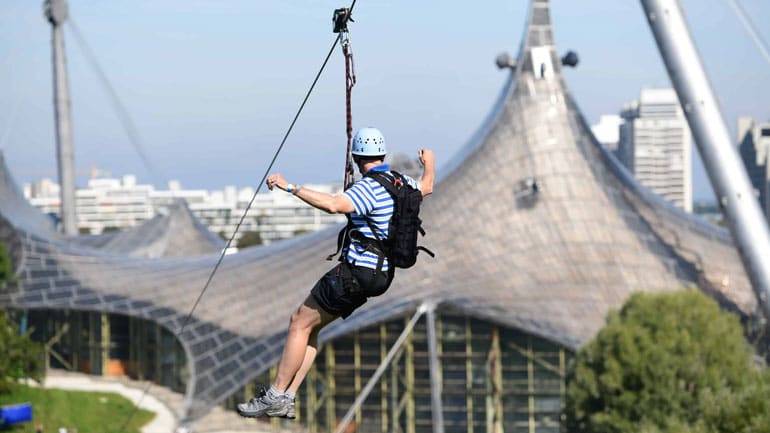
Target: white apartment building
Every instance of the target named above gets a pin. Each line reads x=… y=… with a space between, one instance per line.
x=754 y=146
x=655 y=144
x=112 y=204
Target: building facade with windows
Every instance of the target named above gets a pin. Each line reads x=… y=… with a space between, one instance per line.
x=754 y=147
x=107 y=204
x=656 y=145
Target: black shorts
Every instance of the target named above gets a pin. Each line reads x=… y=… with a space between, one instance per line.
x=345 y=287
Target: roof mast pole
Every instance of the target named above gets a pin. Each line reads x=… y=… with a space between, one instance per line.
x=56 y=13
x=726 y=171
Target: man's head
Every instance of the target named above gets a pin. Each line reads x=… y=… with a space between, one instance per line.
x=368 y=146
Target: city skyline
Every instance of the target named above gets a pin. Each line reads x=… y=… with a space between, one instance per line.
x=110 y=204
x=208 y=85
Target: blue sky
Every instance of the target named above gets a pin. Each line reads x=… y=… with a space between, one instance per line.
x=213 y=84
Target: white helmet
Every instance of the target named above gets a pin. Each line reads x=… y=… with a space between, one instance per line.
x=368 y=142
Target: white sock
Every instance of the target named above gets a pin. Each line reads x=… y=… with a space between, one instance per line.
x=289 y=394
x=273 y=393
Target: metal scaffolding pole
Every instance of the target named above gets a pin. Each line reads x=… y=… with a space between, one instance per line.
x=435 y=370
x=56 y=13
x=726 y=171
x=380 y=370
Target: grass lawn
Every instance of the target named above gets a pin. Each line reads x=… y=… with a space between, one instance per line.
x=88 y=412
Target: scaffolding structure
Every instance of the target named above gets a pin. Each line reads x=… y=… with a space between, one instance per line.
x=493 y=379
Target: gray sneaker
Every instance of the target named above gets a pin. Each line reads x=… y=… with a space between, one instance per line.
x=290 y=413
x=263 y=405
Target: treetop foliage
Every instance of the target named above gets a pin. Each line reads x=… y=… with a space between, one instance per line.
x=668 y=362
x=6 y=267
x=20 y=357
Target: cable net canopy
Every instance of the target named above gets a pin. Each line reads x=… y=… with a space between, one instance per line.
x=550 y=263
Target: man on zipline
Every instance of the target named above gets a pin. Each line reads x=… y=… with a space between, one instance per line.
x=370 y=206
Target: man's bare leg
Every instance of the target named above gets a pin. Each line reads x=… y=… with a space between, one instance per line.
x=310 y=354
x=305 y=324
x=307 y=320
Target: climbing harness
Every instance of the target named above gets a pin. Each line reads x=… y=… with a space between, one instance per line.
x=341 y=18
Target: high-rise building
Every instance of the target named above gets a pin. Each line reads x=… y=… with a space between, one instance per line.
x=655 y=144
x=754 y=145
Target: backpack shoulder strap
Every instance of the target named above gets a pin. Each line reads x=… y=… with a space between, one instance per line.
x=342 y=239
x=385 y=180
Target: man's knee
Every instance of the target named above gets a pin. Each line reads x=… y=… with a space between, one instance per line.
x=303 y=319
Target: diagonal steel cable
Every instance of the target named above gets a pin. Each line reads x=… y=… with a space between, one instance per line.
x=120 y=109
x=743 y=17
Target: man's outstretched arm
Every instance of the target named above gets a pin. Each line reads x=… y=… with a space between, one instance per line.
x=339 y=203
x=428 y=160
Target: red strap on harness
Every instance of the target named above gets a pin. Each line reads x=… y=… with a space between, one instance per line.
x=350 y=81
x=340 y=18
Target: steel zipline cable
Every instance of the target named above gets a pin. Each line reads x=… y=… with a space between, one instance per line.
x=243 y=216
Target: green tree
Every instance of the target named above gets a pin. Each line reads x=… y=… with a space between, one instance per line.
x=670 y=362
x=6 y=267
x=249 y=239
x=19 y=356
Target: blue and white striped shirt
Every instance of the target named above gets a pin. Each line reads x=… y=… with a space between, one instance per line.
x=372 y=202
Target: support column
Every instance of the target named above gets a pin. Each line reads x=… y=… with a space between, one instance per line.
x=395 y=403
x=728 y=176
x=437 y=409
x=530 y=385
x=384 y=383
x=379 y=372
x=469 y=374
x=75 y=330
x=494 y=385
x=312 y=397
x=93 y=344
x=331 y=387
x=133 y=347
x=141 y=359
x=158 y=351
x=409 y=385
x=56 y=13
x=357 y=371
x=562 y=378
x=105 y=343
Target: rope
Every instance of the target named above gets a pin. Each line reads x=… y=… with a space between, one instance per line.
x=245 y=212
x=350 y=81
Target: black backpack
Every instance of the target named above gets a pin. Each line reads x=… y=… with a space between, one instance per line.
x=401 y=245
